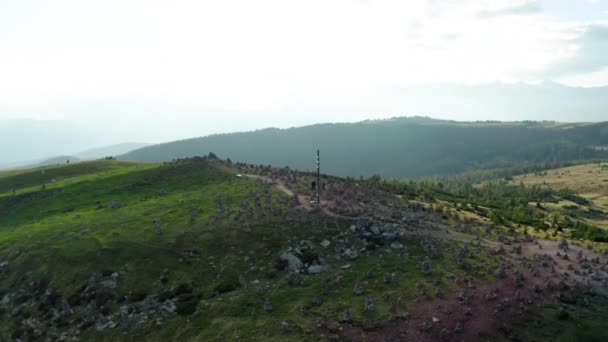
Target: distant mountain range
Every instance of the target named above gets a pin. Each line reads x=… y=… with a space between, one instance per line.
x=96 y=153
x=112 y=150
x=398 y=148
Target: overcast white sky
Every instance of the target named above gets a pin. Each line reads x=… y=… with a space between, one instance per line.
x=199 y=67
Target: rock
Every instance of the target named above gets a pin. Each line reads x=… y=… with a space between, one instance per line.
x=92 y=284
x=284 y=327
x=501 y=271
x=157 y=226
x=246 y=228
x=325 y=243
x=267 y=306
x=389 y=236
x=517 y=250
x=563 y=245
x=295 y=279
x=90 y=313
x=293 y=262
x=316 y=269
x=168 y=307
x=351 y=254
x=444 y=335
x=389 y=278
x=358 y=289
x=375 y=230
x=346 y=317
x=396 y=245
x=220 y=205
x=66 y=308
x=125 y=321
x=105 y=324
x=347 y=266
x=503 y=238
x=369 y=304
x=426 y=266
x=115 y=205
x=108 y=282
x=3 y=264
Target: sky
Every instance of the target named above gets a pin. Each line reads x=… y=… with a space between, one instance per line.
x=158 y=70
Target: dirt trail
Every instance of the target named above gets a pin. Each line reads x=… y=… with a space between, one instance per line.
x=278 y=184
x=303 y=200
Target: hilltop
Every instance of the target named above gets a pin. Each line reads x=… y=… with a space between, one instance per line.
x=401 y=147
x=202 y=249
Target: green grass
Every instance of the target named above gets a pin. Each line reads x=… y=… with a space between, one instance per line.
x=557 y=321
x=65 y=232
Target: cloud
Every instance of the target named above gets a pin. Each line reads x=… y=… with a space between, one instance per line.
x=528 y=7
x=587 y=52
x=267 y=55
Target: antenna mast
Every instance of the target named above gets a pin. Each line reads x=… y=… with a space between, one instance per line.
x=318 y=178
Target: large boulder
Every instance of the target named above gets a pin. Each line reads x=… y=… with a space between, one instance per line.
x=293 y=262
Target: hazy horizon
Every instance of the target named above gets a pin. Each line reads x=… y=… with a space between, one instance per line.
x=157 y=71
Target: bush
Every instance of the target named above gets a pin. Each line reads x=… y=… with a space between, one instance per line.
x=186 y=304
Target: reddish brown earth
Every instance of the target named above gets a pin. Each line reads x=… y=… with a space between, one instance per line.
x=480 y=312
x=467 y=315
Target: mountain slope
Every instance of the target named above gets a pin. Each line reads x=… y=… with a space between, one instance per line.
x=205 y=250
x=401 y=147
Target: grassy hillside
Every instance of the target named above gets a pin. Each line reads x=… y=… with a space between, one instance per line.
x=399 y=148
x=589 y=209
x=205 y=250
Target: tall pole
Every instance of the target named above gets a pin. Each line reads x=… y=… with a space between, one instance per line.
x=318 y=178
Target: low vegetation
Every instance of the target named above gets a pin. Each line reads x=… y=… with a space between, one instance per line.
x=209 y=250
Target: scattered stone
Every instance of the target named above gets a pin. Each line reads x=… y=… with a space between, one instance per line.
x=325 y=243
x=295 y=279
x=517 y=250
x=157 y=227
x=267 y=306
x=316 y=269
x=293 y=262
x=346 y=316
x=115 y=205
x=66 y=308
x=396 y=245
x=220 y=205
x=350 y=254
x=358 y=289
x=563 y=245
x=246 y=228
x=502 y=273
x=369 y=304
x=90 y=313
x=426 y=266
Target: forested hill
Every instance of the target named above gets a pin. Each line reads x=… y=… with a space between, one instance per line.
x=399 y=147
